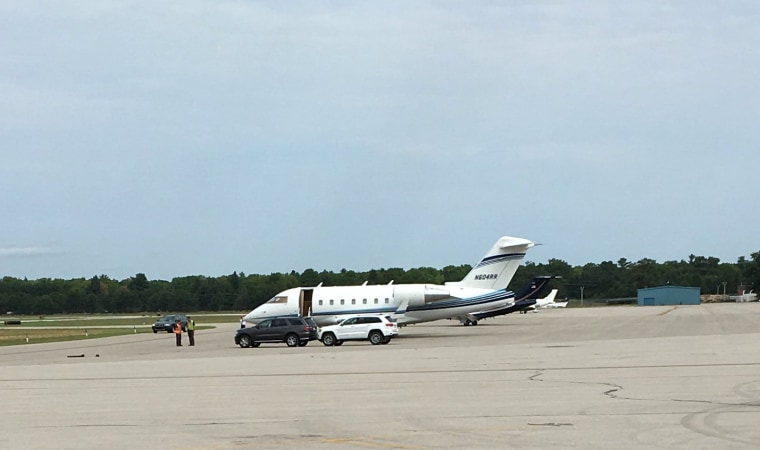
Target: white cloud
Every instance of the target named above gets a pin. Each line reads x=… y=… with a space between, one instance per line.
x=12 y=252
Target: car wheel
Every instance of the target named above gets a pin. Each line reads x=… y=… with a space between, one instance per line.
x=303 y=343
x=245 y=341
x=328 y=339
x=155 y=331
x=376 y=337
x=291 y=340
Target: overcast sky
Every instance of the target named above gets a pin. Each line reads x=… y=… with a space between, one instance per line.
x=199 y=137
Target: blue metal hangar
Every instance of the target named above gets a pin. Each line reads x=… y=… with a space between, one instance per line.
x=668 y=295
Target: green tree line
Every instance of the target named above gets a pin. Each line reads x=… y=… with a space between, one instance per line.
x=240 y=292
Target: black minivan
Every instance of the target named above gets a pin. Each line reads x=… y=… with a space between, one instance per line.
x=294 y=331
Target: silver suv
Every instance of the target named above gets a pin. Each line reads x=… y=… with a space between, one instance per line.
x=378 y=329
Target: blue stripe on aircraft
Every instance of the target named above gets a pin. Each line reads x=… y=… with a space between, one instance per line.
x=356 y=311
x=499 y=258
x=276 y=316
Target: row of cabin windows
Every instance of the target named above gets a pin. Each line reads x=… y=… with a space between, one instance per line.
x=353 y=301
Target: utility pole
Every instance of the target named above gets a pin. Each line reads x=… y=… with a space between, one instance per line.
x=582 y=287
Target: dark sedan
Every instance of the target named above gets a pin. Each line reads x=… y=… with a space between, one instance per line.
x=166 y=323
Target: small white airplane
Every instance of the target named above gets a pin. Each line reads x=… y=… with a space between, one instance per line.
x=743 y=297
x=546 y=303
x=483 y=288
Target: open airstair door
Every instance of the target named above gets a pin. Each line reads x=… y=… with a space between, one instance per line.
x=304 y=302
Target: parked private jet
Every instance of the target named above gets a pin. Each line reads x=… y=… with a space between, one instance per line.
x=483 y=288
x=525 y=297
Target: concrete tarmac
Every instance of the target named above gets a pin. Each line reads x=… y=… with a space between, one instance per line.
x=684 y=377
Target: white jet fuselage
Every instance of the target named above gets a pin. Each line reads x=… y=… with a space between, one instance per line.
x=482 y=289
x=407 y=303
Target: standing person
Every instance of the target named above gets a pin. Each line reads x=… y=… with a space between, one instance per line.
x=178 y=332
x=191 y=330
x=242 y=321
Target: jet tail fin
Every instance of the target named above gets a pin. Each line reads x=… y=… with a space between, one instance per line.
x=535 y=288
x=496 y=269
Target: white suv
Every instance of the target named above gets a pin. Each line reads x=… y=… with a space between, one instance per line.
x=378 y=329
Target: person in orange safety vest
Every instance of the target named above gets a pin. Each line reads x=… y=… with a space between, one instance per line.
x=178 y=332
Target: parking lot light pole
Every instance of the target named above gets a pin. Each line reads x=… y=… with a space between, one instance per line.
x=582 y=287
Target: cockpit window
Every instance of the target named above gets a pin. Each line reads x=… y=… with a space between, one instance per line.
x=278 y=299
